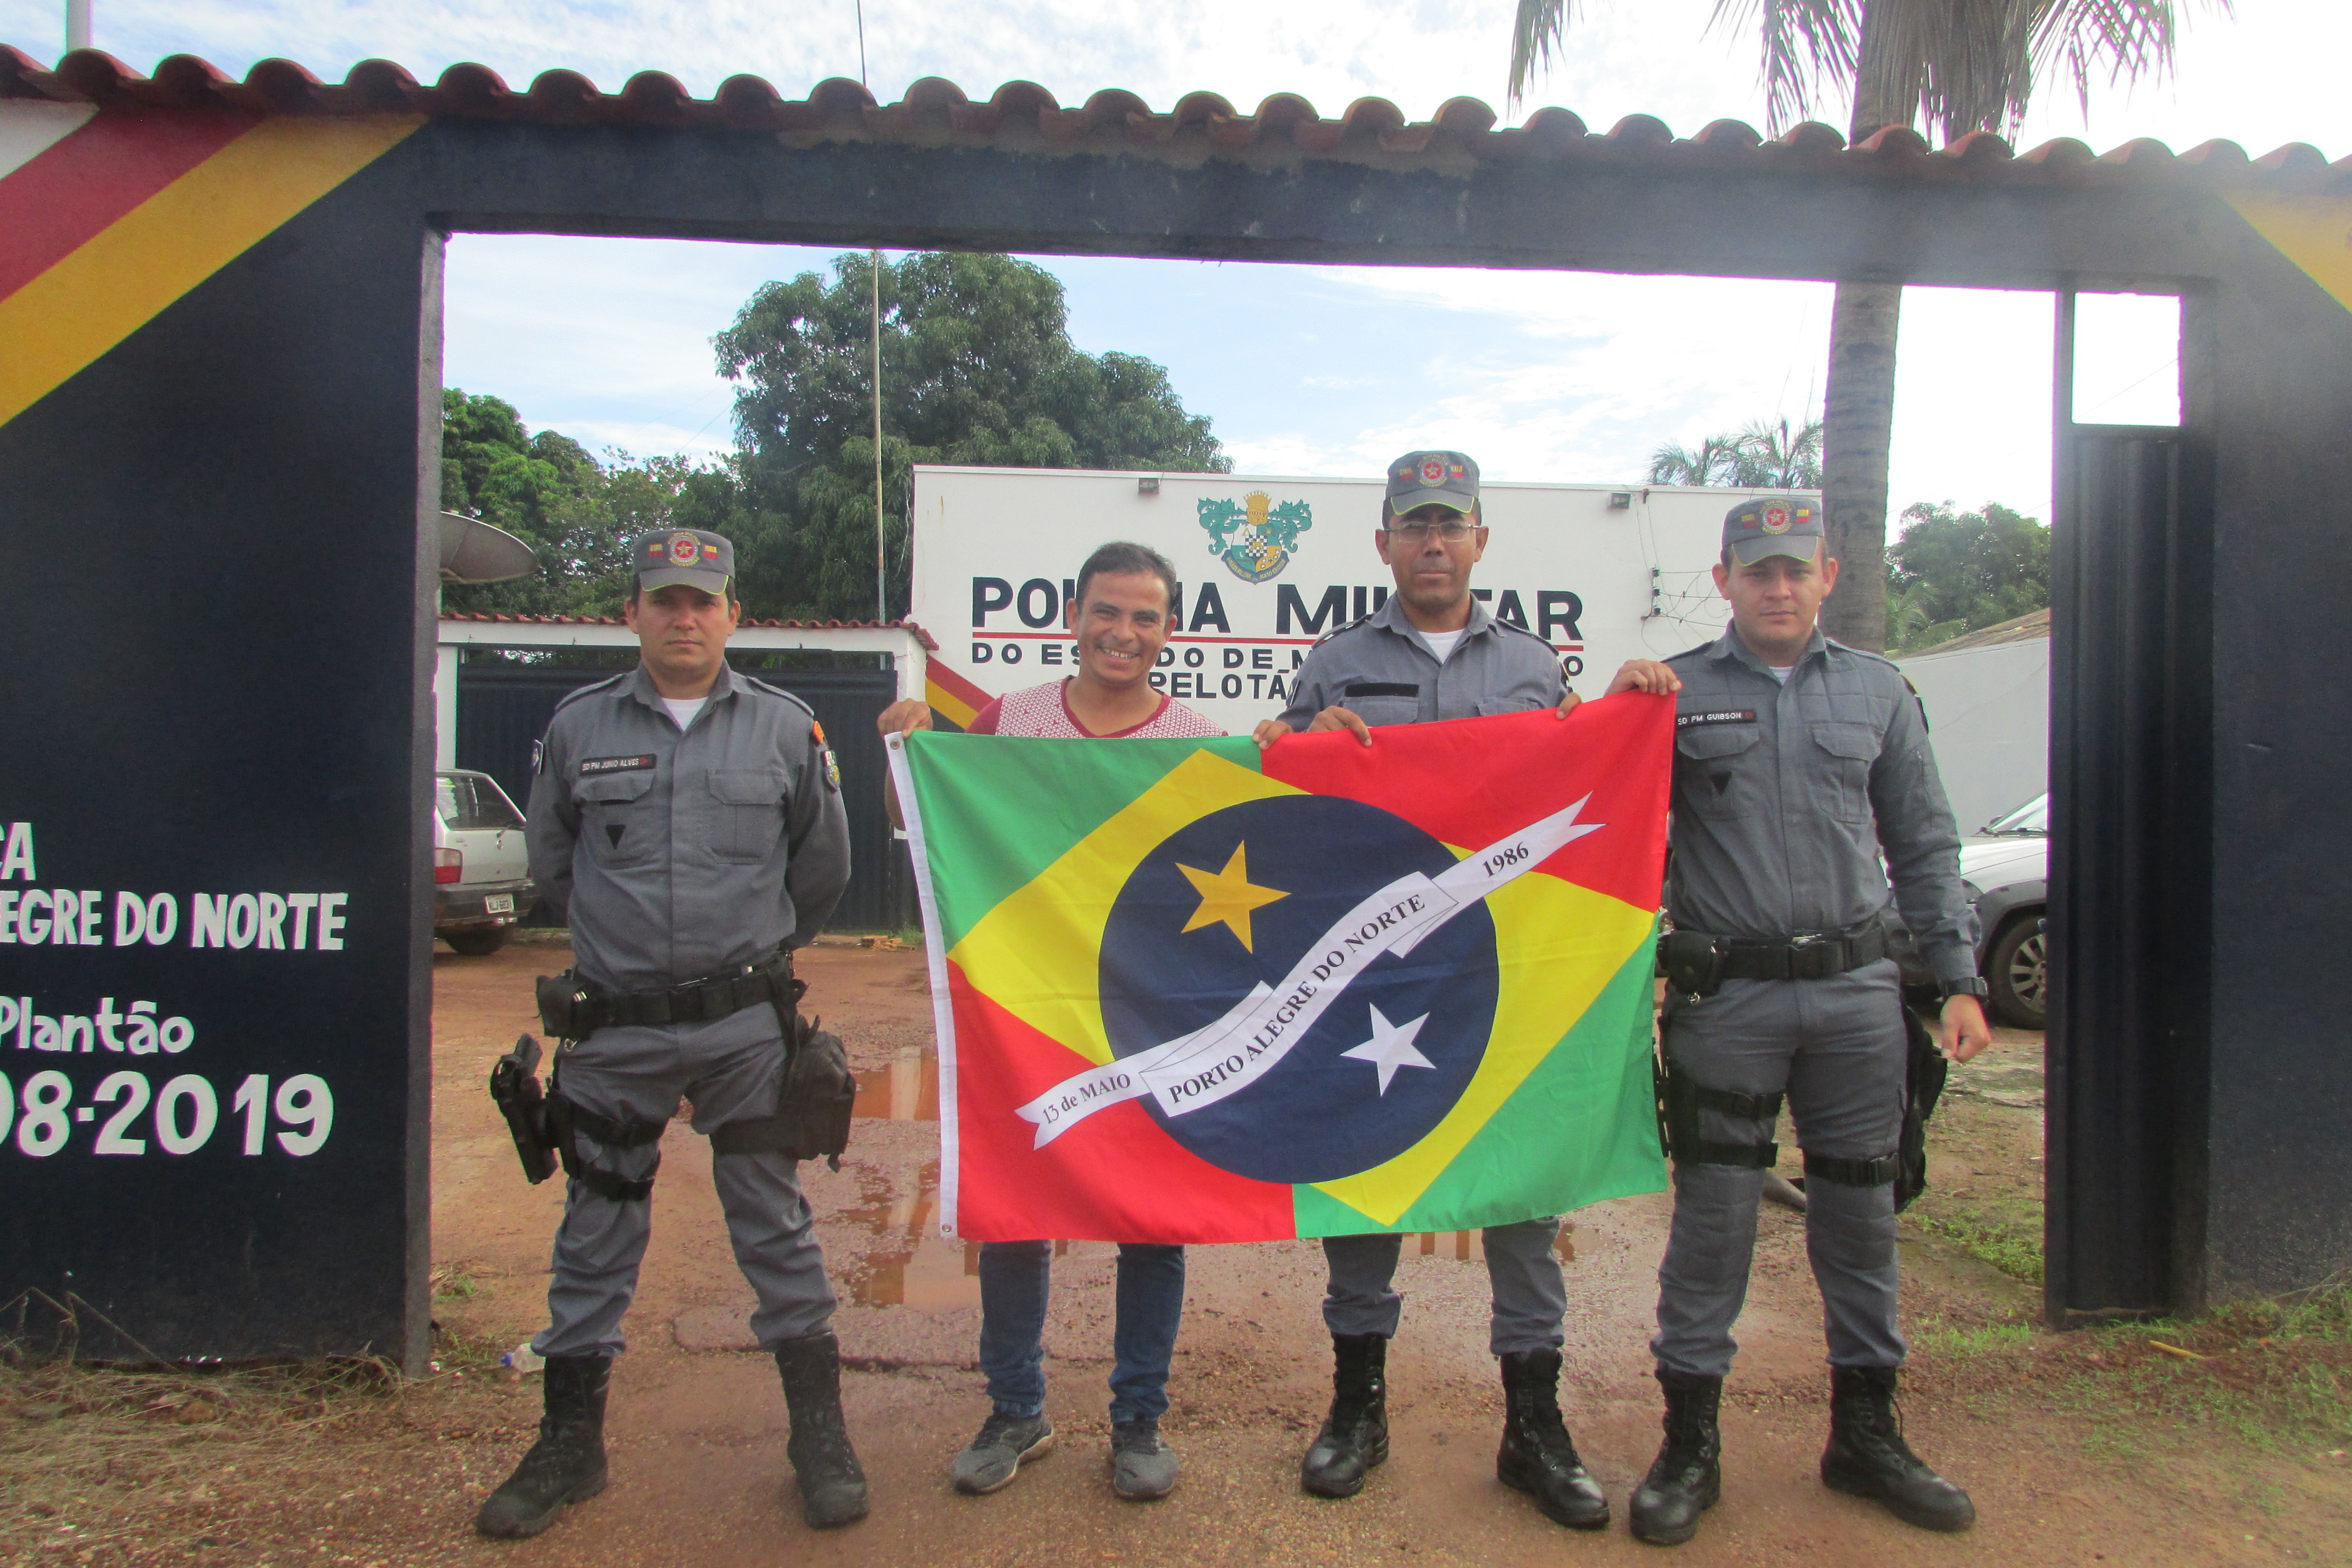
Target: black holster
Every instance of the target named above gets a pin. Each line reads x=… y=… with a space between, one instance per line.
x=514 y=1085
x=1680 y=1100
x=1924 y=1070
x=815 y=1095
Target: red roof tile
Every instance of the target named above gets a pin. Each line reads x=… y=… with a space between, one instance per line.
x=1024 y=116
x=921 y=634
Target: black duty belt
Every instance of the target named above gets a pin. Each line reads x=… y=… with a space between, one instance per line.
x=696 y=1002
x=1810 y=956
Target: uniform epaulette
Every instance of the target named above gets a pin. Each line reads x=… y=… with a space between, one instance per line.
x=1335 y=631
x=1515 y=627
x=1688 y=652
x=757 y=685
x=577 y=692
x=1864 y=652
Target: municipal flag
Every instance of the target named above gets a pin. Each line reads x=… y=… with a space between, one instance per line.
x=1189 y=992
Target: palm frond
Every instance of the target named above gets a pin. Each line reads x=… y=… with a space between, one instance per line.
x=1536 y=31
x=1810 y=49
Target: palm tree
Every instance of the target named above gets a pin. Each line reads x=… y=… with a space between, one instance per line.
x=1712 y=462
x=1764 y=456
x=1966 y=64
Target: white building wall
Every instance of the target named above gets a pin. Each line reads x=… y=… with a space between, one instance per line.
x=1989 y=718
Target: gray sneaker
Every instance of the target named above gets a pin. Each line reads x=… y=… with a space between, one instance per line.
x=1142 y=1468
x=996 y=1457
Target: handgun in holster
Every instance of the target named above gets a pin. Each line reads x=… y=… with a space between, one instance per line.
x=514 y=1085
x=1924 y=1070
x=815 y=1096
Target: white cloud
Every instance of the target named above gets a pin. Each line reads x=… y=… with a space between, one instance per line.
x=1540 y=375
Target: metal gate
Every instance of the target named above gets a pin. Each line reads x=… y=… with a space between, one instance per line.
x=502 y=709
x=2130 y=875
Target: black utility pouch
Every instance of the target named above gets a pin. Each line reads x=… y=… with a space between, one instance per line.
x=562 y=1005
x=820 y=1092
x=1692 y=961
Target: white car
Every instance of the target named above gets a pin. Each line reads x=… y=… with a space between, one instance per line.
x=481 y=876
x=2005 y=868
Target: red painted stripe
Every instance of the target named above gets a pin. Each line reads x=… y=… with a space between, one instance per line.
x=56 y=203
x=956 y=685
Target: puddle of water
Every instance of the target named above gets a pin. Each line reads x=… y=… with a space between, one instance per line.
x=906 y=1091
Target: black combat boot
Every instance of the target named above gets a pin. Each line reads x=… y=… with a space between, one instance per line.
x=1687 y=1478
x=833 y=1487
x=1354 y=1435
x=1537 y=1456
x=567 y=1464
x=1867 y=1457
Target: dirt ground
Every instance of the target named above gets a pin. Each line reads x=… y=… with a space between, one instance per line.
x=2070 y=1459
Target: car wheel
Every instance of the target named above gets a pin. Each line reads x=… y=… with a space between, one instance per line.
x=478 y=942
x=2018 y=970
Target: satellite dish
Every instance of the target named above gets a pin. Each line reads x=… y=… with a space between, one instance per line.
x=474 y=552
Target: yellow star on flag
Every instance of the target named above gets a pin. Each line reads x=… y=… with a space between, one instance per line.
x=1228 y=896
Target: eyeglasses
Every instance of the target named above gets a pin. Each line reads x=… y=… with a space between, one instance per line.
x=1414 y=531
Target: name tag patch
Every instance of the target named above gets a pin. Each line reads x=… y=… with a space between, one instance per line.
x=1384 y=689
x=1721 y=716
x=592 y=766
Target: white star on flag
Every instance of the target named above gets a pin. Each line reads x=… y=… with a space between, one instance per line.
x=1392 y=1048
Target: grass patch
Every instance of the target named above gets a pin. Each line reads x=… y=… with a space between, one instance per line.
x=2014 y=1251
x=88 y=1451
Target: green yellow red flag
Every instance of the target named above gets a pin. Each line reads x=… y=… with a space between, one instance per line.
x=1187 y=991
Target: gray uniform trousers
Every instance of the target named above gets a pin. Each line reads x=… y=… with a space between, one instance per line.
x=1530 y=1297
x=1837 y=1048
x=730 y=1069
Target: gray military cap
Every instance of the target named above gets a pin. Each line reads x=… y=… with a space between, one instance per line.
x=687 y=555
x=1774 y=525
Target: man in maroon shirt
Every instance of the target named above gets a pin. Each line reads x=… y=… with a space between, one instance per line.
x=1120 y=616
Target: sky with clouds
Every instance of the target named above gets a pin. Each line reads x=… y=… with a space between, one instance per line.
x=1563 y=376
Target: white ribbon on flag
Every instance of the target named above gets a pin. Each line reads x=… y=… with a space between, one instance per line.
x=1229 y=1055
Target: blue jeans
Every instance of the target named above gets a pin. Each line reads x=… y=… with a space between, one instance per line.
x=1014 y=1280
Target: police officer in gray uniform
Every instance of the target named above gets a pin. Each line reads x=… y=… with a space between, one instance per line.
x=1796 y=760
x=1432 y=651
x=689 y=821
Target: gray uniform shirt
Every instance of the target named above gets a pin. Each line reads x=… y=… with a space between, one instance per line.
x=672 y=854
x=1382 y=670
x=1783 y=793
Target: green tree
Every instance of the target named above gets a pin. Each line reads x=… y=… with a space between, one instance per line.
x=578 y=515
x=1965 y=65
x=1955 y=572
x=1766 y=455
x=976 y=367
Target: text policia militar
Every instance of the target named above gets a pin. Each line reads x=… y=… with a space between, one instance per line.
x=81 y=917
x=125 y=1111
x=1205 y=659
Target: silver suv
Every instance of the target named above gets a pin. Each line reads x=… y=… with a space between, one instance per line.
x=481 y=881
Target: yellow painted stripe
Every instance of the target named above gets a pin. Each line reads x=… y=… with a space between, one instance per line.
x=1038 y=953
x=60 y=323
x=1558 y=945
x=2313 y=232
x=949 y=706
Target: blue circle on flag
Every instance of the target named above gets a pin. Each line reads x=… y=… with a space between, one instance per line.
x=1349 y=1074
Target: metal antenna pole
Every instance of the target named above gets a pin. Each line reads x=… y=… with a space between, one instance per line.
x=77 y=25
x=881 y=589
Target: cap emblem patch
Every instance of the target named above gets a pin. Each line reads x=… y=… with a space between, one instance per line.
x=1775 y=520
x=685 y=550
x=1432 y=471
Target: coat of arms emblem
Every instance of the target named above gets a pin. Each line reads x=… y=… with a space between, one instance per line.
x=1254 y=536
